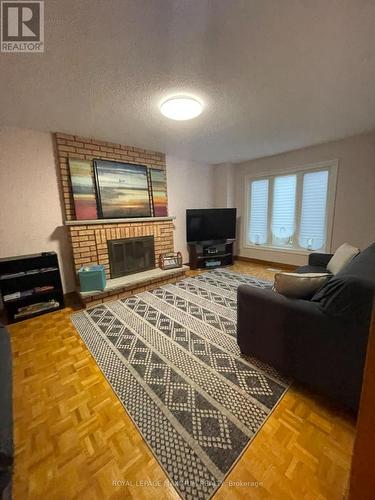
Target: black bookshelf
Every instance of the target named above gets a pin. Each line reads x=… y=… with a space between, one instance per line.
x=36 y=278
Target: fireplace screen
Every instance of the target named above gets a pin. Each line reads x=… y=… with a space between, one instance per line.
x=131 y=255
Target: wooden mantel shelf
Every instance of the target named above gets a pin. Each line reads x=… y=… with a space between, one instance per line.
x=134 y=220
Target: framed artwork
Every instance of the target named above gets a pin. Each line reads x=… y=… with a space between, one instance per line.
x=83 y=188
x=159 y=192
x=122 y=189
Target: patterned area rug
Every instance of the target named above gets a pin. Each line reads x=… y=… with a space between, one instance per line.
x=172 y=358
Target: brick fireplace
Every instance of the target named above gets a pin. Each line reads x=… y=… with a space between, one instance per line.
x=90 y=239
x=131 y=255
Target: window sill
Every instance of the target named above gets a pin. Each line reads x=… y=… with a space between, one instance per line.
x=270 y=248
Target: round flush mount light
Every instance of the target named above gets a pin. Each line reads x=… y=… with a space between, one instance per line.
x=181 y=108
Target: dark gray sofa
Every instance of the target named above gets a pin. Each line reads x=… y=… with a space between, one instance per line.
x=320 y=342
x=317 y=263
x=6 y=426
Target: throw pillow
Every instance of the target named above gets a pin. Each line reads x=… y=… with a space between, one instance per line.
x=299 y=285
x=341 y=257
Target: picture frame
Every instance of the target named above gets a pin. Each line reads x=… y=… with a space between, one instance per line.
x=122 y=190
x=158 y=180
x=83 y=189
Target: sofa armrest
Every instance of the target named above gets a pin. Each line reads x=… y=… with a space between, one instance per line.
x=263 y=321
x=265 y=300
x=319 y=259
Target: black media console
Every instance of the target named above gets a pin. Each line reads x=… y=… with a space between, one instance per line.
x=209 y=255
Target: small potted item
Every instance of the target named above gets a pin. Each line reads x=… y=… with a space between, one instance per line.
x=92 y=278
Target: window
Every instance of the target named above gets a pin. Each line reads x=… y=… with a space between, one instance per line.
x=283 y=224
x=291 y=211
x=259 y=212
x=312 y=232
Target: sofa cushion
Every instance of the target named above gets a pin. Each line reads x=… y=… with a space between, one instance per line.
x=349 y=293
x=297 y=285
x=362 y=266
x=343 y=255
x=348 y=298
x=311 y=269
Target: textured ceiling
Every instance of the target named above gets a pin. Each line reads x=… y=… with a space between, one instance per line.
x=274 y=75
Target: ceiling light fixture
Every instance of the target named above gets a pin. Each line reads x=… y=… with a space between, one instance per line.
x=181 y=108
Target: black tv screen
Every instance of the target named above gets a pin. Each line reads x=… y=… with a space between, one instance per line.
x=210 y=224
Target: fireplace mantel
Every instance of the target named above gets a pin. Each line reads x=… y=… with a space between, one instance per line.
x=133 y=220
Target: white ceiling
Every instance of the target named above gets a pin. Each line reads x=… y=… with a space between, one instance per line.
x=274 y=75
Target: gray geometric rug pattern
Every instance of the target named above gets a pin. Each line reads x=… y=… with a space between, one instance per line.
x=171 y=357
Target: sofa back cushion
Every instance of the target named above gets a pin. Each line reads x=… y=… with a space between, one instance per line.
x=362 y=266
x=343 y=255
x=348 y=298
x=349 y=293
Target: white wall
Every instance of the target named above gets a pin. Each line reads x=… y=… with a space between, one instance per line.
x=224 y=186
x=354 y=218
x=190 y=185
x=31 y=218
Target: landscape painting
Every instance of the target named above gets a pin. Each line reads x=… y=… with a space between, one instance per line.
x=159 y=192
x=83 y=189
x=122 y=189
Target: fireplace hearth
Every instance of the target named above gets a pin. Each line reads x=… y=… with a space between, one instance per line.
x=131 y=255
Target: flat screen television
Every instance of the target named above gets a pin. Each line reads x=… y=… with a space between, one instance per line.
x=211 y=224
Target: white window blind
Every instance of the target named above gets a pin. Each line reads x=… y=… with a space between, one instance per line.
x=284 y=209
x=313 y=212
x=258 y=216
x=291 y=210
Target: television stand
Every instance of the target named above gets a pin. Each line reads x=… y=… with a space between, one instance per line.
x=210 y=254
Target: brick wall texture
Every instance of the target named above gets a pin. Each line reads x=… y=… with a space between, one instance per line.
x=89 y=241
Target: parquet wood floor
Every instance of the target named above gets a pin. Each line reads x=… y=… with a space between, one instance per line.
x=73 y=437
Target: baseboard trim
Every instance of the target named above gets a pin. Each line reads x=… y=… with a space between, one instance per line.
x=270 y=263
